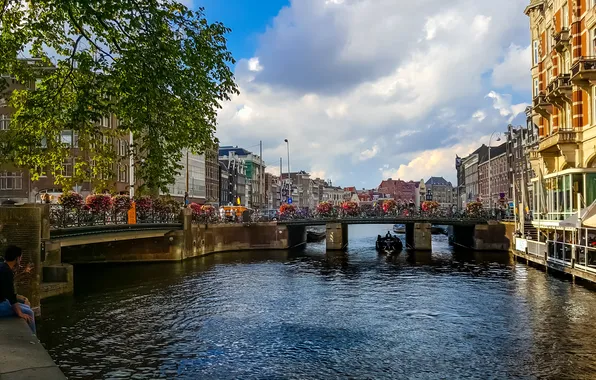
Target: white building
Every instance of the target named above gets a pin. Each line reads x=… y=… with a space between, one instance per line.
x=197 y=190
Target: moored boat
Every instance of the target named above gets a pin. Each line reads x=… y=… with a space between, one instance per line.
x=315 y=236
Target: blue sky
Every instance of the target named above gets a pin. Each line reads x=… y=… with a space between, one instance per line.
x=247 y=19
x=370 y=89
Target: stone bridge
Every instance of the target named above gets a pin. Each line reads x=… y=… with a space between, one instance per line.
x=54 y=251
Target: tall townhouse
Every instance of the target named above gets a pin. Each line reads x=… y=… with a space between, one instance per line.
x=564 y=105
x=563 y=40
x=17 y=184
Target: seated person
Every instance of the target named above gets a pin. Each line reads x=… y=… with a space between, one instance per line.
x=9 y=300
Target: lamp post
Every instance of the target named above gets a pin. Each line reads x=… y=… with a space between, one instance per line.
x=289 y=176
x=490 y=194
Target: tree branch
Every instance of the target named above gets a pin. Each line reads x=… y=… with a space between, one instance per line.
x=74 y=51
x=84 y=34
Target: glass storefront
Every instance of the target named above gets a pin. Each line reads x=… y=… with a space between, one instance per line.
x=556 y=198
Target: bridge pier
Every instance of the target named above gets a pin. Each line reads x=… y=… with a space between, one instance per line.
x=337 y=236
x=418 y=236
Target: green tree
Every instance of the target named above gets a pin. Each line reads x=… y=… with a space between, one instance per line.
x=160 y=68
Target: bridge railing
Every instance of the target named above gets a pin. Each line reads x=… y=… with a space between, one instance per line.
x=62 y=217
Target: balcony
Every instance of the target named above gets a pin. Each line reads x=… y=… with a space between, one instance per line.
x=559 y=141
x=542 y=106
x=559 y=90
x=584 y=71
x=561 y=39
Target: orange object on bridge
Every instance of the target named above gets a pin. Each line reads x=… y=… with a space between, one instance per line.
x=132 y=214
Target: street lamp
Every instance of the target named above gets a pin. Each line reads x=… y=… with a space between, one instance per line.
x=289 y=176
x=490 y=194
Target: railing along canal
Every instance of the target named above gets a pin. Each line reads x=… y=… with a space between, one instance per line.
x=62 y=218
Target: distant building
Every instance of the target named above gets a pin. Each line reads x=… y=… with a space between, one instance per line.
x=467 y=175
x=301 y=189
x=273 y=191
x=333 y=194
x=399 y=190
x=255 y=174
x=225 y=193
x=440 y=190
x=212 y=191
x=495 y=170
x=237 y=189
x=190 y=178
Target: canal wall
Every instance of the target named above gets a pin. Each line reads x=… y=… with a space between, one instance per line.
x=493 y=236
x=21 y=354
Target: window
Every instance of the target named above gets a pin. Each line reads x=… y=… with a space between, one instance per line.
x=11 y=181
x=536 y=87
x=40 y=171
x=536 y=57
x=122 y=148
x=105 y=122
x=565 y=15
x=122 y=171
x=549 y=38
x=4 y=122
x=66 y=137
x=593 y=44
x=67 y=167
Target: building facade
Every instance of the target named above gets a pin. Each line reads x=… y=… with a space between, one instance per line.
x=17 y=184
x=212 y=191
x=237 y=189
x=495 y=170
x=563 y=35
x=400 y=191
x=225 y=193
x=333 y=194
x=440 y=190
x=190 y=178
x=520 y=142
x=255 y=174
x=467 y=176
x=273 y=191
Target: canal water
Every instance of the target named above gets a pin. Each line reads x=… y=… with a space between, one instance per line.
x=317 y=315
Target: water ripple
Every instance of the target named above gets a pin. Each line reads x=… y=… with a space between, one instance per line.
x=311 y=314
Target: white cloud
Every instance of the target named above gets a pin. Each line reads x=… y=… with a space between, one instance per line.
x=479 y=115
x=392 y=75
x=254 y=64
x=436 y=162
x=369 y=153
x=502 y=103
x=514 y=70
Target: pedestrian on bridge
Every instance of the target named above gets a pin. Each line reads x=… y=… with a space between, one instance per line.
x=12 y=304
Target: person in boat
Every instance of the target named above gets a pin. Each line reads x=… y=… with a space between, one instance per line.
x=388 y=236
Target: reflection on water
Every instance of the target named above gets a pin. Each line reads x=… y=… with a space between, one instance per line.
x=312 y=314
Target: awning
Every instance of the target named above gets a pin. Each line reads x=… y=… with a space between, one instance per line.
x=588 y=218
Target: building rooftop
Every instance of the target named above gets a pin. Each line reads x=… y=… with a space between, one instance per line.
x=225 y=150
x=437 y=181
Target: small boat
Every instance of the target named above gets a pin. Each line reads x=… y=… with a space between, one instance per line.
x=389 y=245
x=399 y=228
x=315 y=236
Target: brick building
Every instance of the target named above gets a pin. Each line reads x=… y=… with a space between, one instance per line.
x=16 y=183
x=400 y=190
x=499 y=177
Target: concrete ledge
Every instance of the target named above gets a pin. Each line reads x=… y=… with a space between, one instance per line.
x=548 y=264
x=21 y=354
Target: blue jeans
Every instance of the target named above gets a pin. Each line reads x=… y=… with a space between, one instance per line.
x=7 y=311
